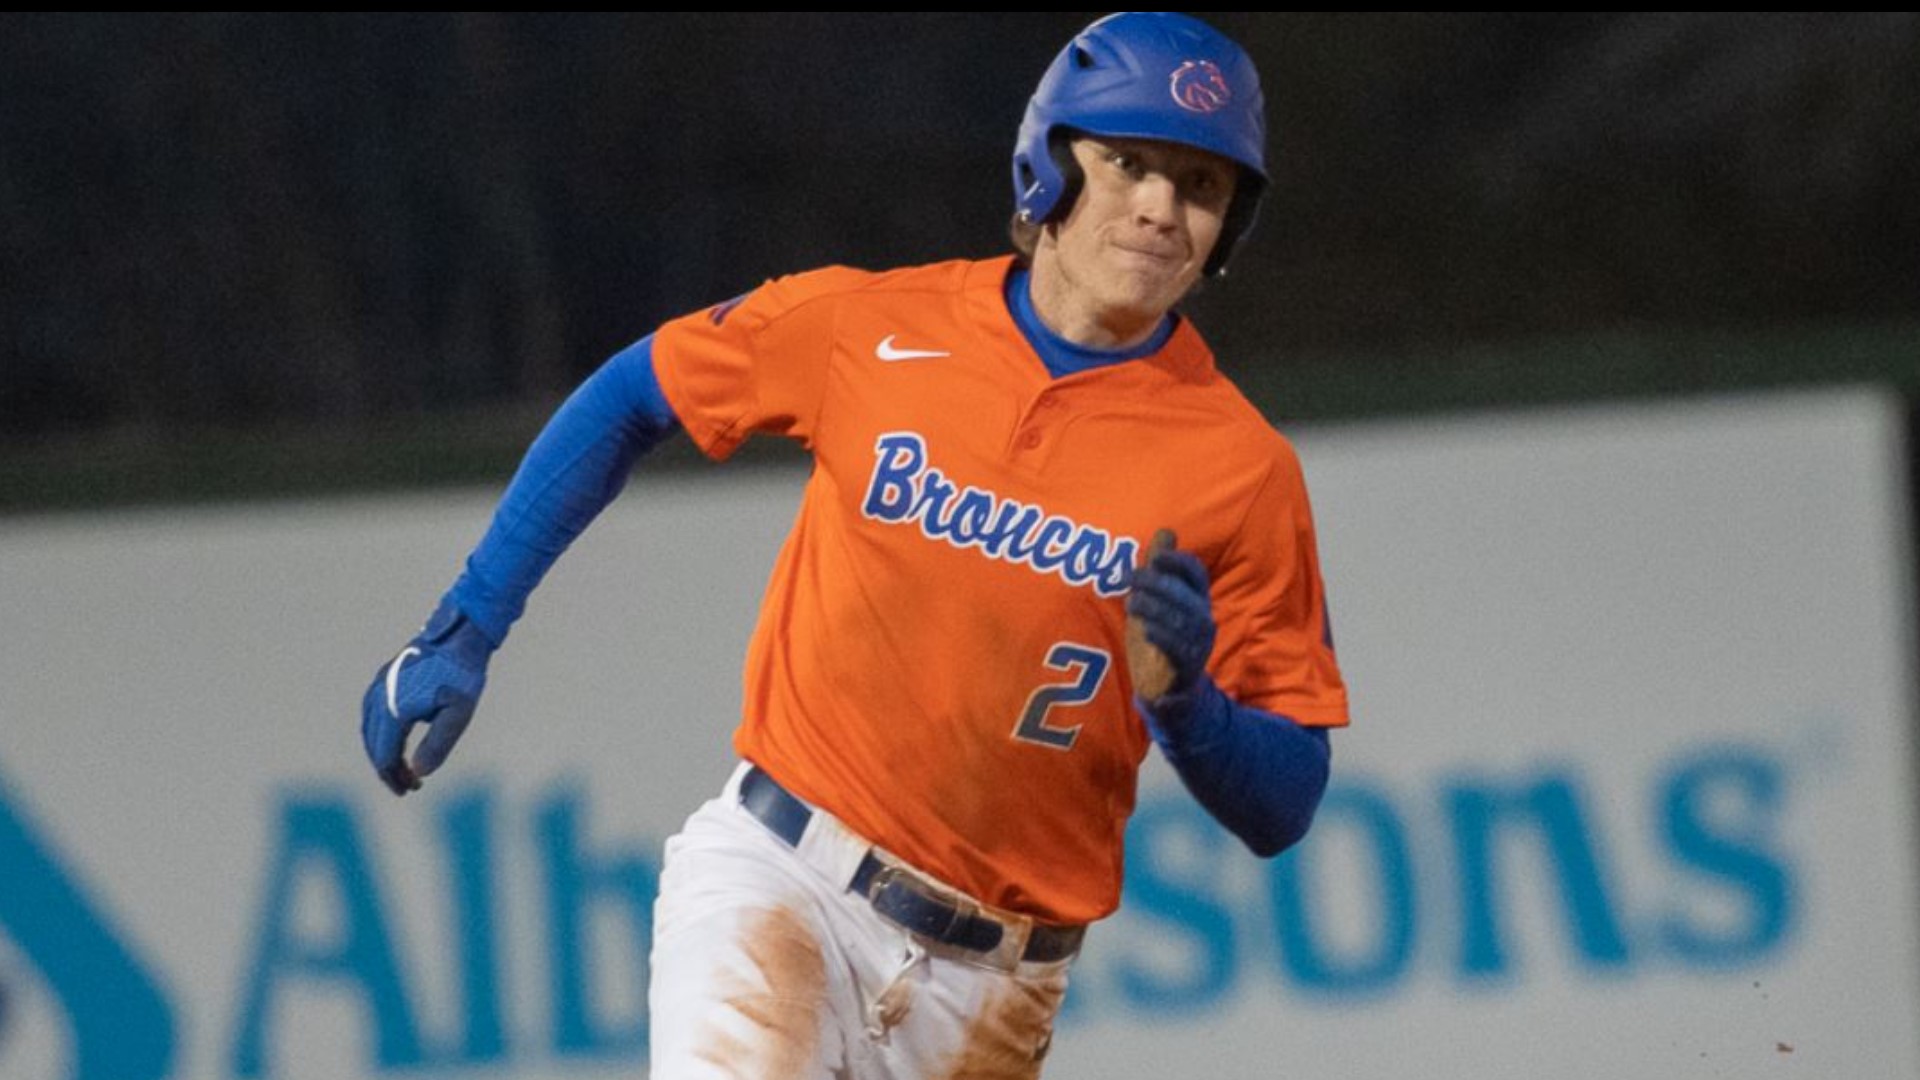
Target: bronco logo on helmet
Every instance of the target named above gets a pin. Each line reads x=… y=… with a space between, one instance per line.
x=1199 y=86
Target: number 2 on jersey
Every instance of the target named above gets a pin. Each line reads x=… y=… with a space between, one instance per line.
x=1087 y=667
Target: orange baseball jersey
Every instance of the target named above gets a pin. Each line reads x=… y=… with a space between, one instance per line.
x=940 y=657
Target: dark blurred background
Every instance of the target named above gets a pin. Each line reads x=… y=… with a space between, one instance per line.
x=262 y=254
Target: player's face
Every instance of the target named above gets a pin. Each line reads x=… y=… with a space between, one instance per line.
x=1137 y=238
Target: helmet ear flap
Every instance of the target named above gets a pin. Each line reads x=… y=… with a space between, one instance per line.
x=1241 y=213
x=1060 y=149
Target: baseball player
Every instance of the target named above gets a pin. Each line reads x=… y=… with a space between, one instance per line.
x=943 y=721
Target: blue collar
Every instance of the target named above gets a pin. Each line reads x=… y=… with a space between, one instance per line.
x=1064 y=357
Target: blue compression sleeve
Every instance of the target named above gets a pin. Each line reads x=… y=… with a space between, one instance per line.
x=1259 y=774
x=570 y=474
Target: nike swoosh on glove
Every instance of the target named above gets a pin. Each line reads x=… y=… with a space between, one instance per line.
x=436 y=680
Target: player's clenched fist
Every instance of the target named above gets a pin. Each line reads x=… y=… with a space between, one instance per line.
x=435 y=680
x=1171 y=604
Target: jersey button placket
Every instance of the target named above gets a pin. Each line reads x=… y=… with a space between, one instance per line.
x=1033 y=427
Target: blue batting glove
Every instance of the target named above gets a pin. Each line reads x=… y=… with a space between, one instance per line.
x=436 y=680
x=1170 y=597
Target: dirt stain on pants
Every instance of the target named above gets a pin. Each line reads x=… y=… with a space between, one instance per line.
x=1009 y=1038
x=768 y=1027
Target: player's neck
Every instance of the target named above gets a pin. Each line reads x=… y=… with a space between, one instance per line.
x=1063 y=357
x=1076 y=315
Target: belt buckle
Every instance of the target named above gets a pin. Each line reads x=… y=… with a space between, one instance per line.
x=1015 y=930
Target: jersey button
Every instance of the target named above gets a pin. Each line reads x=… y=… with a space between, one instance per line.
x=1030 y=441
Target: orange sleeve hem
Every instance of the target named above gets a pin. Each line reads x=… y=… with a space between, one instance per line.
x=714 y=440
x=1329 y=716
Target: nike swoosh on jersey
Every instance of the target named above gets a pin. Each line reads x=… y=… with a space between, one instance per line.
x=886 y=350
x=393 y=680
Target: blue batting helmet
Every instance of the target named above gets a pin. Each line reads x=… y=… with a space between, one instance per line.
x=1145 y=75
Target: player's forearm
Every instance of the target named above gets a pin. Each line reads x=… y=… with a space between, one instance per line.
x=575 y=468
x=1259 y=774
